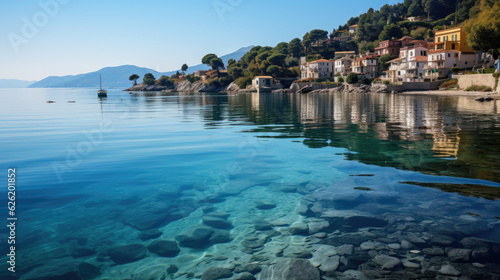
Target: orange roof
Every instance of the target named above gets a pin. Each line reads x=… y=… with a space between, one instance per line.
x=419 y=58
x=397 y=59
x=320 y=60
x=353 y=26
x=264 y=77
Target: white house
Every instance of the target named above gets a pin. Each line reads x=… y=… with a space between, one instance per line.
x=367 y=65
x=318 y=69
x=343 y=66
x=353 y=28
x=265 y=83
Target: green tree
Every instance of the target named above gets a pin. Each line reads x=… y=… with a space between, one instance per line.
x=340 y=80
x=352 y=78
x=415 y=9
x=207 y=58
x=235 y=72
x=419 y=33
x=382 y=61
x=391 y=31
x=230 y=62
x=274 y=70
x=134 y=78
x=217 y=63
x=149 y=79
x=483 y=30
x=184 y=68
x=281 y=48
x=277 y=59
x=295 y=47
x=164 y=81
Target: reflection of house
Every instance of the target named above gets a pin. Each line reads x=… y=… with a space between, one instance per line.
x=265 y=83
x=353 y=28
x=445 y=145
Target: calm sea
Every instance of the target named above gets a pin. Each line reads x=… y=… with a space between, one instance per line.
x=92 y=174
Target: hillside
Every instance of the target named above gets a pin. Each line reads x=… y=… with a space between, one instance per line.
x=118 y=76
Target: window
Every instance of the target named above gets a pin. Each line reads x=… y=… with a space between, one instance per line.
x=439 y=39
x=449 y=55
x=452 y=46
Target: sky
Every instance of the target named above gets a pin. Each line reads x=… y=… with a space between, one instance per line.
x=68 y=37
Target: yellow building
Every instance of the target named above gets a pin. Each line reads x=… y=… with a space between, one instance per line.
x=451 y=39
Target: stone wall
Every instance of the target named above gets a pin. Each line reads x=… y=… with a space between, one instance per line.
x=465 y=81
x=416 y=86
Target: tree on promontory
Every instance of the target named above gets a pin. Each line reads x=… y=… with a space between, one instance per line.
x=184 y=68
x=213 y=61
x=134 y=78
x=149 y=79
x=482 y=30
x=295 y=47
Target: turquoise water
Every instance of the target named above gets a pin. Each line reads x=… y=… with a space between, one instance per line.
x=94 y=174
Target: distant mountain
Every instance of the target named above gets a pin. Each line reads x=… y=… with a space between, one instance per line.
x=118 y=76
x=11 y=83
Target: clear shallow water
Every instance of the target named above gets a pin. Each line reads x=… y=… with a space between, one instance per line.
x=96 y=174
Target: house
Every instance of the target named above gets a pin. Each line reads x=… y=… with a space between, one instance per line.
x=388 y=47
x=343 y=66
x=367 y=66
x=265 y=84
x=318 y=69
x=397 y=69
x=440 y=62
x=200 y=73
x=451 y=39
x=353 y=28
x=416 y=69
x=406 y=41
x=417 y=18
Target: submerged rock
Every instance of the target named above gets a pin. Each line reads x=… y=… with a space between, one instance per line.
x=298 y=227
x=265 y=204
x=459 y=255
x=387 y=262
x=263 y=225
x=164 y=248
x=216 y=222
x=251 y=267
x=245 y=276
x=195 y=238
x=67 y=269
x=150 y=234
x=127 y=253
x=290 y=269
x=220 y=236
x=215 y=273
x=82 y=252
x=448 y=269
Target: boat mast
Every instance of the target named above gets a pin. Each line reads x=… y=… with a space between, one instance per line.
x=100 y=81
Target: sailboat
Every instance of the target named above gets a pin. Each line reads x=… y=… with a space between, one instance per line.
x=101 y=92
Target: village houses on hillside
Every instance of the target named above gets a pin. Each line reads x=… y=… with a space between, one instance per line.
x=417 y=60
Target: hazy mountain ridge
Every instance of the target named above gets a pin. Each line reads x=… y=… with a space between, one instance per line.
x=13 y=83
x=118 y=76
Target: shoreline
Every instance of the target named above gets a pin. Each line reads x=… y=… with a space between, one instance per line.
x=494 y=95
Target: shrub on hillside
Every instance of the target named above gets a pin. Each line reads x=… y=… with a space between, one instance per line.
x=479 y=88
x=454 y=70
x=453 y=83
x=340 y=80
x=352 y=78
x=243 y=82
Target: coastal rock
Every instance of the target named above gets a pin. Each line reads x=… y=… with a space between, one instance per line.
x=195 y=238
x=405 y=244
x=216 y=222
x=255 y=242
x=296 y=252
x=322 y=254
x=348 y=238
x=265 y=204
x=409 y=264
x=368 y=245
x=215 y=273
x=218 y=214
x=387 y=262
x=290 y=269
x=164 y=248
x=330 y=265
x=127 y=253
x=433 y=251
x=150 y=234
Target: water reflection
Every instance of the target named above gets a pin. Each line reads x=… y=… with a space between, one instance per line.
x=436 y=135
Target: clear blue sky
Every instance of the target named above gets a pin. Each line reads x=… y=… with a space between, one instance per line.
x=82 y=36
